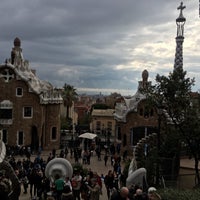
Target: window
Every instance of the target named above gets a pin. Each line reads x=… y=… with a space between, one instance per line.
x=28 y=112
x=124 y=140
x=151 y=113
x=109 y=128
x=7 y=74
x=53 y=133
x=109 y=125
x=98 y=125
x=141 y=111
x=20 y=138
x=5 y=113
x=119 y=137
x=19 y=92
x=4 y=136
x=146 y=112
x=6 y=108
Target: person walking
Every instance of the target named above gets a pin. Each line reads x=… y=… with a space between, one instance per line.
x=105 y=159
x=59 y=186
x=95 y=189
x=109 y=183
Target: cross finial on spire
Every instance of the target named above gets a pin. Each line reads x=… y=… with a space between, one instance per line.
x=180 y=21
x=181 y=7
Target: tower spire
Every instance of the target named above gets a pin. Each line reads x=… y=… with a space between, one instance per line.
x=180 y=21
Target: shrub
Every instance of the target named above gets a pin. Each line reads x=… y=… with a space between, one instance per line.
x=79 y=167
x=174 y=194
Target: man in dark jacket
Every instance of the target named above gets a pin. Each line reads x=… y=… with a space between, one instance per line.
x=120 y=195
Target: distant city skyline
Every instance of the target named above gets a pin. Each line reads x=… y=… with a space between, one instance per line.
x=101 y=46
x=101 y=91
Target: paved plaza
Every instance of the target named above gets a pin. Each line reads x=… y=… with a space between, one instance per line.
x=100 y=168
x=95 y=165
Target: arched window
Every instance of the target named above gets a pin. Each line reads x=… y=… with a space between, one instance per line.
x=19 y=92
x=151 y=112
x=20 y=138
x=6 y=109
x=124 y=140
x=141 y=111
x=146 y=112
x=119 y=137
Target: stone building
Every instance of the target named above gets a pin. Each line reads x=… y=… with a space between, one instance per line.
x=29 y=107
x=103 y=124
x=134 y=119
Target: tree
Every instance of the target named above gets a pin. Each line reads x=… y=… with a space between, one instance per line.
x=100 y=106
x=111 y=99
x=69 y=95
x=173 y=94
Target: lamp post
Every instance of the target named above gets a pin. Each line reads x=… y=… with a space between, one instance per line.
x=104 y=133
x=102 y=130
x=158 y=146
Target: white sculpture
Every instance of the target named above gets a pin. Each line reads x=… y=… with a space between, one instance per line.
x=58 y=166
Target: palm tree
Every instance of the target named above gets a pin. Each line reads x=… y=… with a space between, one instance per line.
x=69 y=95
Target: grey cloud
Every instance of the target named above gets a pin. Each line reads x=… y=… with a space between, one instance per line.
x=81 y=42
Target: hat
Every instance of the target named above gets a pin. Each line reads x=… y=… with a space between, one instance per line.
x=151 y=189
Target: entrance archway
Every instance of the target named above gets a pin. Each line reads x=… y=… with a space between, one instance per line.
x=137 y=133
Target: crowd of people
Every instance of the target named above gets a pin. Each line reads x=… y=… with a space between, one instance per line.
x=86 y=185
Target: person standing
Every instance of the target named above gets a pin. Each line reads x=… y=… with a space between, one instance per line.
x=105 y=159
x=68 y=182
x=109 y=182
x=67 y=193
x=94 y=189
x=59 y=186
x=76 y=185
x=88 y=157
x=120 y=195
x=152 y=194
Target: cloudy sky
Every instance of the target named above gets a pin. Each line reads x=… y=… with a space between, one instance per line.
x=100 y=45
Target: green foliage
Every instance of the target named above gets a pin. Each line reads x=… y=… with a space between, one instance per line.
x=170 y=153
x=69 y=93
x=78 y=167
x=170 y=142
x=172 y=94
x=100 y=106
x=174 y=194
x=85 y=120
x=149 y=163
x=66 y=123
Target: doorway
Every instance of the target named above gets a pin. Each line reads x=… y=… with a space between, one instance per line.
x=34 y=139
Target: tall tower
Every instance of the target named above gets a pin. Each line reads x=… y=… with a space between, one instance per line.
x=180 y=21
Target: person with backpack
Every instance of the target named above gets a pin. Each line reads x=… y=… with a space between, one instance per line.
x=76 y=185
x=59 y=186
x=109 y=182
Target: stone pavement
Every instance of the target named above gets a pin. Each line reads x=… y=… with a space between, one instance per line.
x=95 y=165
x=99 y=167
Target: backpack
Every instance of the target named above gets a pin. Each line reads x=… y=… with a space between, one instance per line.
x=74 y=184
